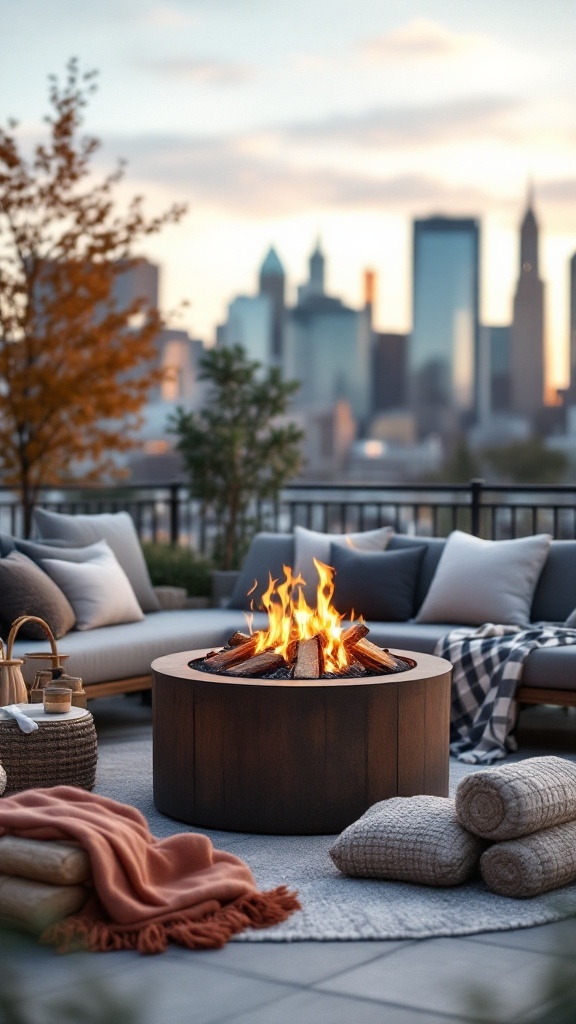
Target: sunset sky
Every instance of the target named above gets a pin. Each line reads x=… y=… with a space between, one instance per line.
x=343 y=119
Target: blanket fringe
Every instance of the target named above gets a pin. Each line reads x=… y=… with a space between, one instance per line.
x=255 y=910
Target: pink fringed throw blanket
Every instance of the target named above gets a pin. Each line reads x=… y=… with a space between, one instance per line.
x=147 y=891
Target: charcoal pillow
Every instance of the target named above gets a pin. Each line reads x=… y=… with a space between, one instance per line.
x=378 y=585
x=267 y=555
x=310 y=545
x=480 y=581
x=99 y=590
x=118 y=530
x=26 y=590
x=409 y=839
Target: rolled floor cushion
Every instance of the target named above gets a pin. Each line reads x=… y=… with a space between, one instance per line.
x=532 y=864
x=2 y=780
x=409 y=839
x=517 y=799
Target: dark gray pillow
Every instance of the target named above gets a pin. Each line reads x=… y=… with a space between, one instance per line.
x=432 y=555
x=378 y=585
x=555 y=594
x=26 y=590
x=268 y=553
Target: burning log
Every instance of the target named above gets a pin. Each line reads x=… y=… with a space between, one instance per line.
x=238 y=638
x=353 y=634
x=308 y=659
x=268 y=661
x=374 y=657
x=227 y=658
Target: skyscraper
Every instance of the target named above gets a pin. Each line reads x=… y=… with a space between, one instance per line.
x=527 y=333
x=443 y=348
x=572 y=339
x=272 y=284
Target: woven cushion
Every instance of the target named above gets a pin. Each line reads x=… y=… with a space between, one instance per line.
x=118 y=530
x=516 y=799
x=409 y=839
x=99 y=590
x=532 y=864
x=310 y=545
x=378 y=585
x=480 y=581
x=26 y=590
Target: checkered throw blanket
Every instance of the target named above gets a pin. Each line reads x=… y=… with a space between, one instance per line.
x=488 y=664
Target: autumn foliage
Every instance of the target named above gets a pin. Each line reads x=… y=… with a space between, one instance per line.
x=75 y=369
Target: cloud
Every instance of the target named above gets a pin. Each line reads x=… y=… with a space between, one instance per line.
x=203 y=71
x=421 y=38
x=224 y=174
x=413 y=125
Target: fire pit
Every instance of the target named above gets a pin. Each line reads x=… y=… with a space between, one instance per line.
x=297 y=752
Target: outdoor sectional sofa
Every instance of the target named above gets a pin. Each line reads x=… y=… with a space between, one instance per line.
x=117 y=658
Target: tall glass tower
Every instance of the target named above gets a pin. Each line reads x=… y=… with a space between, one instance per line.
x=443 y=348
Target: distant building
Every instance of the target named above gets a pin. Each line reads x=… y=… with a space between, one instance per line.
x=272 y=283
x=138 y=282
x=527 y=333
x=250 y=324
x=390 y=371
x=443 y=347
x=327 y=348
x=570 y=396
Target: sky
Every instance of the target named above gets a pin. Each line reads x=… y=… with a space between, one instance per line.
x=338 y=119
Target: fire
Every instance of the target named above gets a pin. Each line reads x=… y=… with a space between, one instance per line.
x=291 y=619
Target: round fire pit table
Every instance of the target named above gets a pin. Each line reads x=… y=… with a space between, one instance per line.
x=295 y=757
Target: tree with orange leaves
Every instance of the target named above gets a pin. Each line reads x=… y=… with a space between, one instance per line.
x=75 y=369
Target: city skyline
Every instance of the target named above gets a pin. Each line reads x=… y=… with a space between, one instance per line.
x=349 y=122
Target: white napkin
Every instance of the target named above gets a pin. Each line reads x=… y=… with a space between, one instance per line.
x=26 y=724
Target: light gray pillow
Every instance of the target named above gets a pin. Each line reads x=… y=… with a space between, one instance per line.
x=99 y=590
x=26 y=590
x=310 y=544
x=480 y=581
x=118 y=530
x=409 y=839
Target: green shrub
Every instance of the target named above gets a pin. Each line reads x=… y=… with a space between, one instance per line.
x=174 y=566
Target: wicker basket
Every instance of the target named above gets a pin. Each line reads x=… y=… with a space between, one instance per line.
x=58 y=753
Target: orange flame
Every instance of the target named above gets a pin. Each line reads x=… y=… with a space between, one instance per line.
x=290 y=618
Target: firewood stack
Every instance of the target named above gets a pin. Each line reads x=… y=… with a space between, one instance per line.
x=304 y=658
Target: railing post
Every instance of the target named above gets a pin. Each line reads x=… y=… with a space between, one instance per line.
x=173 y=501
x=476 y=486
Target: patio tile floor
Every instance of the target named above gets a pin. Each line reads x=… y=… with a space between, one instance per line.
x=413 y=982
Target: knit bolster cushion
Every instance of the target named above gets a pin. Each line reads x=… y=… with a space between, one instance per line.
x=533 y=864
x=518 y=799
x=409 y=839
x=2 y=780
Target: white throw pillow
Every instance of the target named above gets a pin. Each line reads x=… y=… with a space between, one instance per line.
x=98 y=590
x=310 y=544
x=480 y=581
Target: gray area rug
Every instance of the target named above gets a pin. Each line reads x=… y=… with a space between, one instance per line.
x=333 y=906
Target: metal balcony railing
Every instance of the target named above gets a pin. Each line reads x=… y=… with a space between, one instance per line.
x=168 y=514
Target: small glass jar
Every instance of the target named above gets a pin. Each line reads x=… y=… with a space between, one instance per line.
x=57 y=699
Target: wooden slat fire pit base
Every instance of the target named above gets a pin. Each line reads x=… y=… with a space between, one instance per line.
x=295 y=756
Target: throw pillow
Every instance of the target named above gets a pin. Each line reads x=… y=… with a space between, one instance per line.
x=378 y=585
x=409 y=839
x=26 y=590
x=267 y=555
x=309 y=544
x=118 y=530
x=480 y=581
x=571 y=620
x=99 y=590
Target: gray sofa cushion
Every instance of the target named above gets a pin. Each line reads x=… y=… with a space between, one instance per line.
x=268 y=553
x=434 y=548
x=118 y=530
x=121 y=652
x=375 y=584
x=555 y=594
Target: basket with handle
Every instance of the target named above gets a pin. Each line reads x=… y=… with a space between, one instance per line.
x=63 y=751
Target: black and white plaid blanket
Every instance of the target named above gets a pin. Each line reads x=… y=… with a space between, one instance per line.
x=488 y=664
